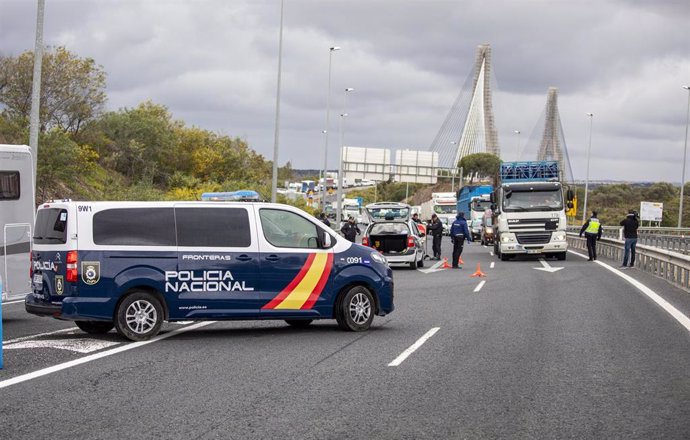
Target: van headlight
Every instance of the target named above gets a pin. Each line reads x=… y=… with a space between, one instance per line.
x=379 y=258
x=559 y=236
x=488 y=230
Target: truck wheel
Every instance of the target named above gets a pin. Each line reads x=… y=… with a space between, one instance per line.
x=299 y=323
x=356 y=310
x=561 y=256
x=95 y=327
x=505 y=257
x=139 y=316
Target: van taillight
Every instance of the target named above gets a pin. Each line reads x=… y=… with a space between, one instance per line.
x=365 y=241
x=410 y=241
x=71 y=276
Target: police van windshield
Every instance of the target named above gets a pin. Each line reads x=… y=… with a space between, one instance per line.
x=51 y=226
x=538 y=200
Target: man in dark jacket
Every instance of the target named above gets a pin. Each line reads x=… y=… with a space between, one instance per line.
x=350 y=230
x=324 y=219
x=630 y=225
x=435 y=229
x=592 y=231
x=458 y=233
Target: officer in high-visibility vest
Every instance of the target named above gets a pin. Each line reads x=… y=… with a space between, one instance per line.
x=592 y=231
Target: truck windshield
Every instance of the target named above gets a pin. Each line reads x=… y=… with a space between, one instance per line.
x=480 y=205
x=544 y=200
x=444 y=209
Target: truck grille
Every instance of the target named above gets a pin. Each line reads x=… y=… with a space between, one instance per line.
x=547 y=224
x=539 y=238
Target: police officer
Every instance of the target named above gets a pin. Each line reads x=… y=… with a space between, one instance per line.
x=458 y=233
x=435 y=228
x=592 y=231
x=350 y=229
x=415 y=218
x=324 y=219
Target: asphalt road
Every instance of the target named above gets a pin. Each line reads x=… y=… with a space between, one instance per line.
x=578 y=353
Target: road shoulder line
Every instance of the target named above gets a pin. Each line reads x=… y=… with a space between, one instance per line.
x=412 y=348
x=677 y=314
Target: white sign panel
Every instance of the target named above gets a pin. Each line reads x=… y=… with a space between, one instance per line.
x=416 y=166
x=366 y=163
x=651 y=211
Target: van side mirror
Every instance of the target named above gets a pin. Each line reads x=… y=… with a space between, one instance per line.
x=326 y=242
x=492 y=197
x=569 y=195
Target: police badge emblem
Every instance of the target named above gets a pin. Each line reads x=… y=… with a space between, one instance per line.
x=90 y=272
x=59 y=284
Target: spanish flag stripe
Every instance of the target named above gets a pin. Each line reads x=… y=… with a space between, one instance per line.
x=320 y=285
x=301 y=292
x=295 y=281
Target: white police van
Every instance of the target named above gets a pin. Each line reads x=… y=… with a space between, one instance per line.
x=133 y=265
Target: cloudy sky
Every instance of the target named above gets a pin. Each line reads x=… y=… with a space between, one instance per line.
x=214 y=64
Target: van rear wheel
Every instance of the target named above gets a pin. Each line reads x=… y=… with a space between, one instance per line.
x=355 y=312
x=95 y=327
x=139 y=316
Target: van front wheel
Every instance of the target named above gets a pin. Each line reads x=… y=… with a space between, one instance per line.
x=95 y=327
x=356 y=310
x=139 y=316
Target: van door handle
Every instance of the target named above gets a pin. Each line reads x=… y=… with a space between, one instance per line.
x=243 y=257
x=272 y=258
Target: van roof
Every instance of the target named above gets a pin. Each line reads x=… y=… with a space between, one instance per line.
x=137 y=204
x=15 y=148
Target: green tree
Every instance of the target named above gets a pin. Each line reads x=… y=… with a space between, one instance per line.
x=72 y=89
x=481 y=164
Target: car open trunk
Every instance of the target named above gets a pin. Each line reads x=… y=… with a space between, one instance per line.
x=389 y=243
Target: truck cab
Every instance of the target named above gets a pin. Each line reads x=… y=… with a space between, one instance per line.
x=529 y=210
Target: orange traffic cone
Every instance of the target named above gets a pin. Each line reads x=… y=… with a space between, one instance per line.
x=460 y=260
x=478 y=273
x=445 y=264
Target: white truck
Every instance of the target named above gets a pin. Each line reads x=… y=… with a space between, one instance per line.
x=529 y=210
x=444 y=205
x=16 y=219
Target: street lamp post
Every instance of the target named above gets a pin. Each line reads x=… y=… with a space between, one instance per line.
x=589 y=149
x=339 y=193
x=517 y=132
x=328 y=114
x=34 y=118
x=274 y=180
x=685 y=153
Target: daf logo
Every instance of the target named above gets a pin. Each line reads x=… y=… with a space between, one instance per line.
x=90 y=272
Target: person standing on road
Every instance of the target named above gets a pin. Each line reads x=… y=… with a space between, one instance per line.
x=415 y=218
x=458 y=232
x=592 y=231
x=350 y=229
x=324 y=219
x=630 y=225
x=435 y=228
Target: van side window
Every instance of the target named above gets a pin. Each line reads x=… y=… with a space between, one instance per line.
x=287 y=229
x=51 y=226
x=134 y=227
x=9 y=185
x=213 y=227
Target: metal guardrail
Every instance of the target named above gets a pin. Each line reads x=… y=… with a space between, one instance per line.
x=672 y=239
x=672 y=266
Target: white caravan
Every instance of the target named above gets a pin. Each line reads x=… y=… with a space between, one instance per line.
x=17 y=211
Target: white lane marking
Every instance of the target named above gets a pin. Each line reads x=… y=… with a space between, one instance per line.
x=677 y=314
x=95 y=356
x=13 y=302
x=493 y=263
x=491 y=253
x=399 y=360
x=479 y=286
x=38 y=335
x=82 y=345
x=432 y=269
x=547 y=267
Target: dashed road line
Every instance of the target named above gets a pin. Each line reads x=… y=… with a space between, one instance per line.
x=399 y=360
x=479 y=286
x=491 y=253
x=677 y=314
x=491 y=266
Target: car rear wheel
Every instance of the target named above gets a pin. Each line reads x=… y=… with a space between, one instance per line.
x=420 y=263
x=139 y=316
x=95 y=327
x=355 y=311
x=299 y=323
